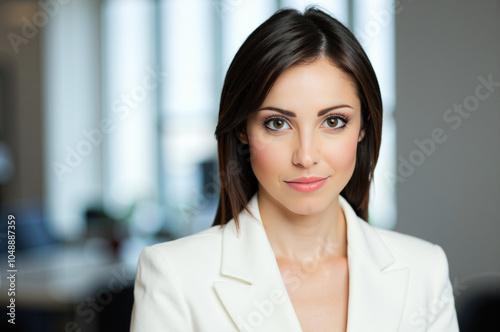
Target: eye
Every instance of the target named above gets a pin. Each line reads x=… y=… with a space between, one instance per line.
x=276 y=124
x=335 y=122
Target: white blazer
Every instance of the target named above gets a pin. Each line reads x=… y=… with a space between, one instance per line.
x=214 y=281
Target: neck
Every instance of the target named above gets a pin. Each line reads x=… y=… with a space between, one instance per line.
x=303 y=237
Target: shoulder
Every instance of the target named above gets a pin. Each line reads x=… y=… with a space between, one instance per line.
x=405 y=244
x=430 y=300
x=190 y=251
x=418 y=254
x=171 y=276
x=197 y=241
x=387 y=247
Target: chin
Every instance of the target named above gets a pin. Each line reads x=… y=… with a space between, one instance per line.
x=307 y=205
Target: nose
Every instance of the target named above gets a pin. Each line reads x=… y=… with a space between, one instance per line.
x=306 y=153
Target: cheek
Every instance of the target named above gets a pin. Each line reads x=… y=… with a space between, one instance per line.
x=342 y=156
x=267 y=157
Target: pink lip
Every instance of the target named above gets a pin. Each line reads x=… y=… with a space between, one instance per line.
x=306 y=184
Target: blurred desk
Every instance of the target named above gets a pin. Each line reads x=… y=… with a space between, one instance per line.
x=63 y=276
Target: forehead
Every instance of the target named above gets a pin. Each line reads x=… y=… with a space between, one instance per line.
x=317 y=84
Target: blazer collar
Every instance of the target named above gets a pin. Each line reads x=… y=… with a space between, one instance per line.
x=255 y=297
x=377 y=289
x=248 y=259
x=363 y=238
x=244 y=255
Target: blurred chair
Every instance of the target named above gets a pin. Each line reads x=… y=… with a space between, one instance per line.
x=481 y=313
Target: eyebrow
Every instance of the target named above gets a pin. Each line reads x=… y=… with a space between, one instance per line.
x=293 y=115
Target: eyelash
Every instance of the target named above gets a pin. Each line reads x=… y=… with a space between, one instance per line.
x=268 y=119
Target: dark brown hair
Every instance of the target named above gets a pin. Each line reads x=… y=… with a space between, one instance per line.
x=286 y=39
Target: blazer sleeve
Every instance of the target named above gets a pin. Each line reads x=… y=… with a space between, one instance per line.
x=443 y=317
x=158 y=301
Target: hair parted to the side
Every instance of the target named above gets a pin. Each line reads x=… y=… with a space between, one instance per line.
x=289 y=38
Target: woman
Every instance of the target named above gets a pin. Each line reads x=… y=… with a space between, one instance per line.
x=298 y=135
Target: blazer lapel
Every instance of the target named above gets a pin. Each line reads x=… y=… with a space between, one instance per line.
x=255 y=297
x=377 y=292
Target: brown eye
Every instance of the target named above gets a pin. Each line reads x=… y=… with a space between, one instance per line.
x=278 y=124
x=335 y=122
x=332 y=122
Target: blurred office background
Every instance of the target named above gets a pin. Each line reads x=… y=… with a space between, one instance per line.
x=107 y=115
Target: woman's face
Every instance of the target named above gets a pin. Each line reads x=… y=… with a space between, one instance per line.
x=303 y=138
